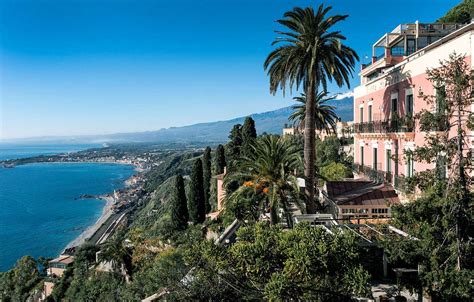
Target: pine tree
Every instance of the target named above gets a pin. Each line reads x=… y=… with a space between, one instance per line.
x=220 y=161
x=207 y=174
x=196 y=204
x=179 y=208
x=249 y=134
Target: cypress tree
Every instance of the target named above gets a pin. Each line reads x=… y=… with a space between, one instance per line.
x=206 y=165
x=179 y=209
x=220 y=159
x=235 y=143
x=196 y=204
x=249 y=134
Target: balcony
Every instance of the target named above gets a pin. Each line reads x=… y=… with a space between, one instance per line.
x=403 y=41
x=400 y=183
x=374 y=174
x=388 y=126
x=375 y=59
x=401 y=51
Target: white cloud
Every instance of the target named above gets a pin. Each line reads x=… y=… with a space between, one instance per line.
x=344 y=95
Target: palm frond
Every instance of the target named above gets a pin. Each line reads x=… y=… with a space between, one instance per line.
x=325 y=116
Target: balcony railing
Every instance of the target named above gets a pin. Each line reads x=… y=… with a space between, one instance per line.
x=374 y=60
x=374 y=174
x=389 y=126
x=400 y=183
x=397 y=51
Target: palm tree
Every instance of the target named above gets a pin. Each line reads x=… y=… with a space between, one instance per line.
x=119 y=255
x=311 y=55
x=325 y=118
x=268 y=171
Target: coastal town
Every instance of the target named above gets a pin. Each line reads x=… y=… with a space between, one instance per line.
x=375 y=208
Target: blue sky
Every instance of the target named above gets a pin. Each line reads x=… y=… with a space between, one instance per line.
x=95 y=67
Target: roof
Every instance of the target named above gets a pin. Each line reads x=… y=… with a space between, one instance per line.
x=65 y=259
x=361 y=192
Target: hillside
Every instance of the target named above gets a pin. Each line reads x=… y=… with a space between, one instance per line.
x=269 y=122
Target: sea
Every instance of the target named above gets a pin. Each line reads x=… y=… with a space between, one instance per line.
x=40 y=208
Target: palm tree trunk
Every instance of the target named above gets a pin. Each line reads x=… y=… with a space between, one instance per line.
x=288 y=216
x=309 y=147
x=273 y=206
x=273 y=216
x=316 y=190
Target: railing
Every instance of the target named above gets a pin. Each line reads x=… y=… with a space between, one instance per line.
x=400 y=183
x=397 y=51
x=389 y=126
x=365 y=65
x=374 y=174
x=400 y=51
x=377 y=58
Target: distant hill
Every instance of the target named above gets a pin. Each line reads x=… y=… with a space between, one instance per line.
x=269 y=122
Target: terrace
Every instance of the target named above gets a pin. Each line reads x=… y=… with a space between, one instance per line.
x=405 y=40
x=401 y=183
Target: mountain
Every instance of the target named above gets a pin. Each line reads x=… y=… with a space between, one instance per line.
x=269 y=122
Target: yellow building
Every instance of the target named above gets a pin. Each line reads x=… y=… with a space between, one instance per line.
x=59 y=265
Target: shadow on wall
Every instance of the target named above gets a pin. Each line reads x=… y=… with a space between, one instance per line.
x=396 y=82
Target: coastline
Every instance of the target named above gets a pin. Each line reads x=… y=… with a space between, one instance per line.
x=107 y=211
x=110 y=199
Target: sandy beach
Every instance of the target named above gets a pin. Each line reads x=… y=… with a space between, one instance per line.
x=106 y=212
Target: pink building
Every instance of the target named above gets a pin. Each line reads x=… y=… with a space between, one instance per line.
x=388 y=96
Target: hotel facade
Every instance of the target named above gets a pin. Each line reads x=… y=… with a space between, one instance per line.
x=389 y=97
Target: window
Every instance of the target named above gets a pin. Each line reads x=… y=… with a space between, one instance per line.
x=394 y=106
x=380 y=211
x=362 y=155
x=397 y=49
x=370 y=114
x=58 y=265
x=374 y=163
x=422 y=42
x=411 y=46
x=388 y=160
x=409 y=105
x=361 y=116
x=410 y=165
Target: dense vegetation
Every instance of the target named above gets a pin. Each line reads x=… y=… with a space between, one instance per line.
x=18 y=283
x=267 y=263
x=171 y=163
x=163 y=249
x=196 y=202
x=461 y=13
x=441 y=218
